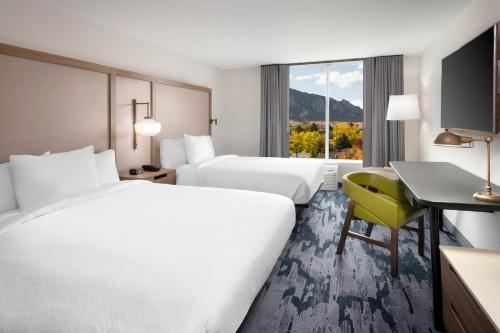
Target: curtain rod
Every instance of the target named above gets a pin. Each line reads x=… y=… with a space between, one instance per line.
x=330 y=61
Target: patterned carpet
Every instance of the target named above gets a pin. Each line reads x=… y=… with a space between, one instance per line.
x=311 y=290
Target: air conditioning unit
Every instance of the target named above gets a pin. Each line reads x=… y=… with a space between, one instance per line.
x=330 y=182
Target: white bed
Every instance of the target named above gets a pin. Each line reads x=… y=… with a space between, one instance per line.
x=195 y=162
x=297 y=179
x=140 y=257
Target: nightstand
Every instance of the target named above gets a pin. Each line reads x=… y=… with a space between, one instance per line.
x=163 y=176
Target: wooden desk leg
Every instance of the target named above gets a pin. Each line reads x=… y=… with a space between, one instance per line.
x=441 y=220
x=435 y=216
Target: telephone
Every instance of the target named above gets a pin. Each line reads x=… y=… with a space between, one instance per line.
x=151 y=168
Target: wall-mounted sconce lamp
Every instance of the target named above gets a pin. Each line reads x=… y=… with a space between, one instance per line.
x=451 y=139
x=146 y=127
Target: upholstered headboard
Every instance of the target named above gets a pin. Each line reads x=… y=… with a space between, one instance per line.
x=181 y=109
x=49 y=102
x=51 y=107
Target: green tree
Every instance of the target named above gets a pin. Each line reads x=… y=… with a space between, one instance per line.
x=352 y=131
x=296 y=143
x=314 y=143
x=342 y=142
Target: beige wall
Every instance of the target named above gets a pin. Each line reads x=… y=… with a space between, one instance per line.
x=481 y=229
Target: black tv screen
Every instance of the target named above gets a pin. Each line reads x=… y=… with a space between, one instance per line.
x=467 y=85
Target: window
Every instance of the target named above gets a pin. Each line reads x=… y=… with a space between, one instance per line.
x=337 y=87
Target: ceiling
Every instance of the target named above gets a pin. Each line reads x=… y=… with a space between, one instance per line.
x=237 y=33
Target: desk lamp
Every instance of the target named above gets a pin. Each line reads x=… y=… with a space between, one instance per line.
x=450 y=139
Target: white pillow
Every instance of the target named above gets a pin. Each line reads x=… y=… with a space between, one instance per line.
x=198 y=148
x=105 y=164
x=40 y=180
x=172 y=153
x=7 y=196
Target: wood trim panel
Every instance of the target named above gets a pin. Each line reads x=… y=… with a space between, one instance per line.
x=134 y=75
x=20 y=52
x=210 y=112
x=153 y=113
x=25 y=53
x=112 y=110
x=182 y=85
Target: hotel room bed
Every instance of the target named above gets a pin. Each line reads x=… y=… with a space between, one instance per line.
x=136 y=256
x=297 y=179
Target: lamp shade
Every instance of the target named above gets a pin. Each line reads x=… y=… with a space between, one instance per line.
x=403 y=107
x=148 y=127
x=450 y=139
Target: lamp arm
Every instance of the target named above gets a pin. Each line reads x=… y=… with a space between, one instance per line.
x=469 y=140
x=488 y=151
x=487 y=140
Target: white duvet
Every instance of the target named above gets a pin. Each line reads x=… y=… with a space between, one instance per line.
x=140 y=257
x=295 y=178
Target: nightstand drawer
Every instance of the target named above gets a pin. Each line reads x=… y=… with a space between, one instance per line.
x=169 y=178
x=162 y=176
x=461 y=312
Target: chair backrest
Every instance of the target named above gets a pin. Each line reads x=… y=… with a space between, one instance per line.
x=389 y=187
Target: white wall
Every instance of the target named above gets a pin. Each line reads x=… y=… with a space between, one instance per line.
x=38 y=26
x=481 y=229
x=411 y=86
x=241 y=116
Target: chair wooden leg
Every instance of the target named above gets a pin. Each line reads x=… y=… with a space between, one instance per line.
x=394 y=252
x=345 y=229
x=421 y=236
x=369 y=229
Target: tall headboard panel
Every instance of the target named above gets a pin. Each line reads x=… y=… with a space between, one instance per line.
x=51 y=102
x=181 y=110
x=46 y=106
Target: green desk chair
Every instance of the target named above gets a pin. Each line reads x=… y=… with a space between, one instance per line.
x=379 y=200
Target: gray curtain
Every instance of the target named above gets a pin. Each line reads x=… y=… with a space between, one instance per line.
x=275 y=84
x=382 y=139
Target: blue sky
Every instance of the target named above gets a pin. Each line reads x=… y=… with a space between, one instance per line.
x=346 y=80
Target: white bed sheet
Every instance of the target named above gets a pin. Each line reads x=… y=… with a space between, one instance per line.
x=141 y=257
x=297 y=179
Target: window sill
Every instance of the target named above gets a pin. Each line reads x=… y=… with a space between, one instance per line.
x=339 y=161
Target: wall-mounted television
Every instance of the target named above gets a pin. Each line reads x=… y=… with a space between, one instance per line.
x=470 y=97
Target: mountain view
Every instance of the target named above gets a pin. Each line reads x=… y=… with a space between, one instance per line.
x=306 y=107
x=310 y=135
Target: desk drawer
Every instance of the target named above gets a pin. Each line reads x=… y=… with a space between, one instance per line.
x=460 y=310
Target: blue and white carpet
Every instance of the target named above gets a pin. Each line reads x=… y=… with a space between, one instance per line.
x=312 y=290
